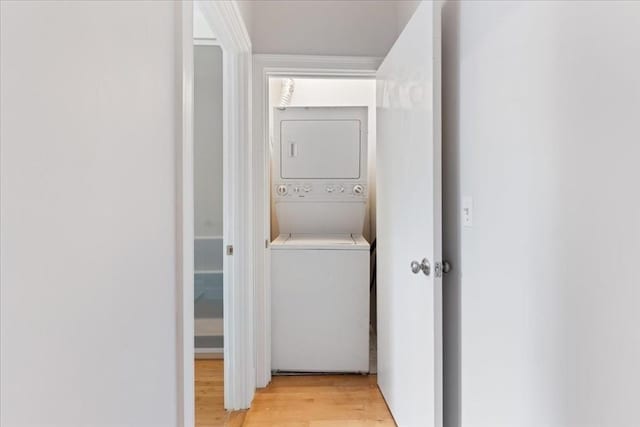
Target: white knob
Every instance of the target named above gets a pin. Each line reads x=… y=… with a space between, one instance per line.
x=329 y=189
x=282 y=190
x=358 y=189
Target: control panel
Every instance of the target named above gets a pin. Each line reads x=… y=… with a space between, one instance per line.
x=320 y=190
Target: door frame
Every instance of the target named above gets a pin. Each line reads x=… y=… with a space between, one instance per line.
x=239 y=363
x=264 y=67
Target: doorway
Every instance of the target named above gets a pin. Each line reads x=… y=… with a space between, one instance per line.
x=323 y=105
x=213 y=242
x=352 y=82
x=208 y=245
x=208 y=200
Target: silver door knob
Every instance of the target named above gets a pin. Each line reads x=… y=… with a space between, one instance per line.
x=424 y=266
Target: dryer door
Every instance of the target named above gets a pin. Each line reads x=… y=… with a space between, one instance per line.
x=320 y=149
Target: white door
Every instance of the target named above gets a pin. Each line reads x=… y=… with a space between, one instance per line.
x=409 y=223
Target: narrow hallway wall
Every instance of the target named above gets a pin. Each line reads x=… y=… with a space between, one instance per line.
x=87 y=258
x=541 y=129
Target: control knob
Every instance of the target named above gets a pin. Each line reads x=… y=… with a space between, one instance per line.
x=282 y=190
x=358 y=189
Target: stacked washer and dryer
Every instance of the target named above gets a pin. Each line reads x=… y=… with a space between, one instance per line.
x=320 y=260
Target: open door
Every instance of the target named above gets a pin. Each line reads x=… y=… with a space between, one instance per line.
x=409 y=223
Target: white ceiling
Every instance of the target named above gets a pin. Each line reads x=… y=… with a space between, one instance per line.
x=325 y=27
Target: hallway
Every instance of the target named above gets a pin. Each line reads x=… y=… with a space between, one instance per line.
x=301 y=401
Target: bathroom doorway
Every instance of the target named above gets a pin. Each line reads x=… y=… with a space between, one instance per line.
x=208 y=200
x=208 y=244
x=213 y=242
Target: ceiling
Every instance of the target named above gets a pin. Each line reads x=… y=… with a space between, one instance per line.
x=325 y=27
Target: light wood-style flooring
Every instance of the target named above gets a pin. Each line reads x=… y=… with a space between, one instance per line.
x=293 y=401
x=210 y=411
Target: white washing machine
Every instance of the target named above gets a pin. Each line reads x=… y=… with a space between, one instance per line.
x=320 y=261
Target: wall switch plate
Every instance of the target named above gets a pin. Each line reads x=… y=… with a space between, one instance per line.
x=467 y=211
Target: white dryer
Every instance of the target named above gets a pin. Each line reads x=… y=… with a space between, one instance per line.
x=320 y=261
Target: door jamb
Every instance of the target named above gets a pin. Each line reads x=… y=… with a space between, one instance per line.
x=239 y=363
x=185 y=329
x=265 y=66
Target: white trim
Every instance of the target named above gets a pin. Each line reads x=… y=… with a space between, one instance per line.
x=208 y=271
x=206 y=42
x=208 y=237
x=265 y=66
x=239 y=362
x=207 y=350
x=239 y=369
x=185 y=329
x=209 y=353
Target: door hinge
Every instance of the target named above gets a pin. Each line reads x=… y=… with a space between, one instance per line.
x=229 y=249
x=266 y=243
x=438 y=269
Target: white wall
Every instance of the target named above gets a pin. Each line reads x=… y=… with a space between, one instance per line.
x=325 y=27
x=88 y=107
x=333 y=92
x=541 y=106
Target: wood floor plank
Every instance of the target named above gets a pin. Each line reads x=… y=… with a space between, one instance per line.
x=209 y=389
x=319 y=401
x=293 y=401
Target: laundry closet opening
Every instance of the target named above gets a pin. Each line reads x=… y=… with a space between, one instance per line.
x=322 y=194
